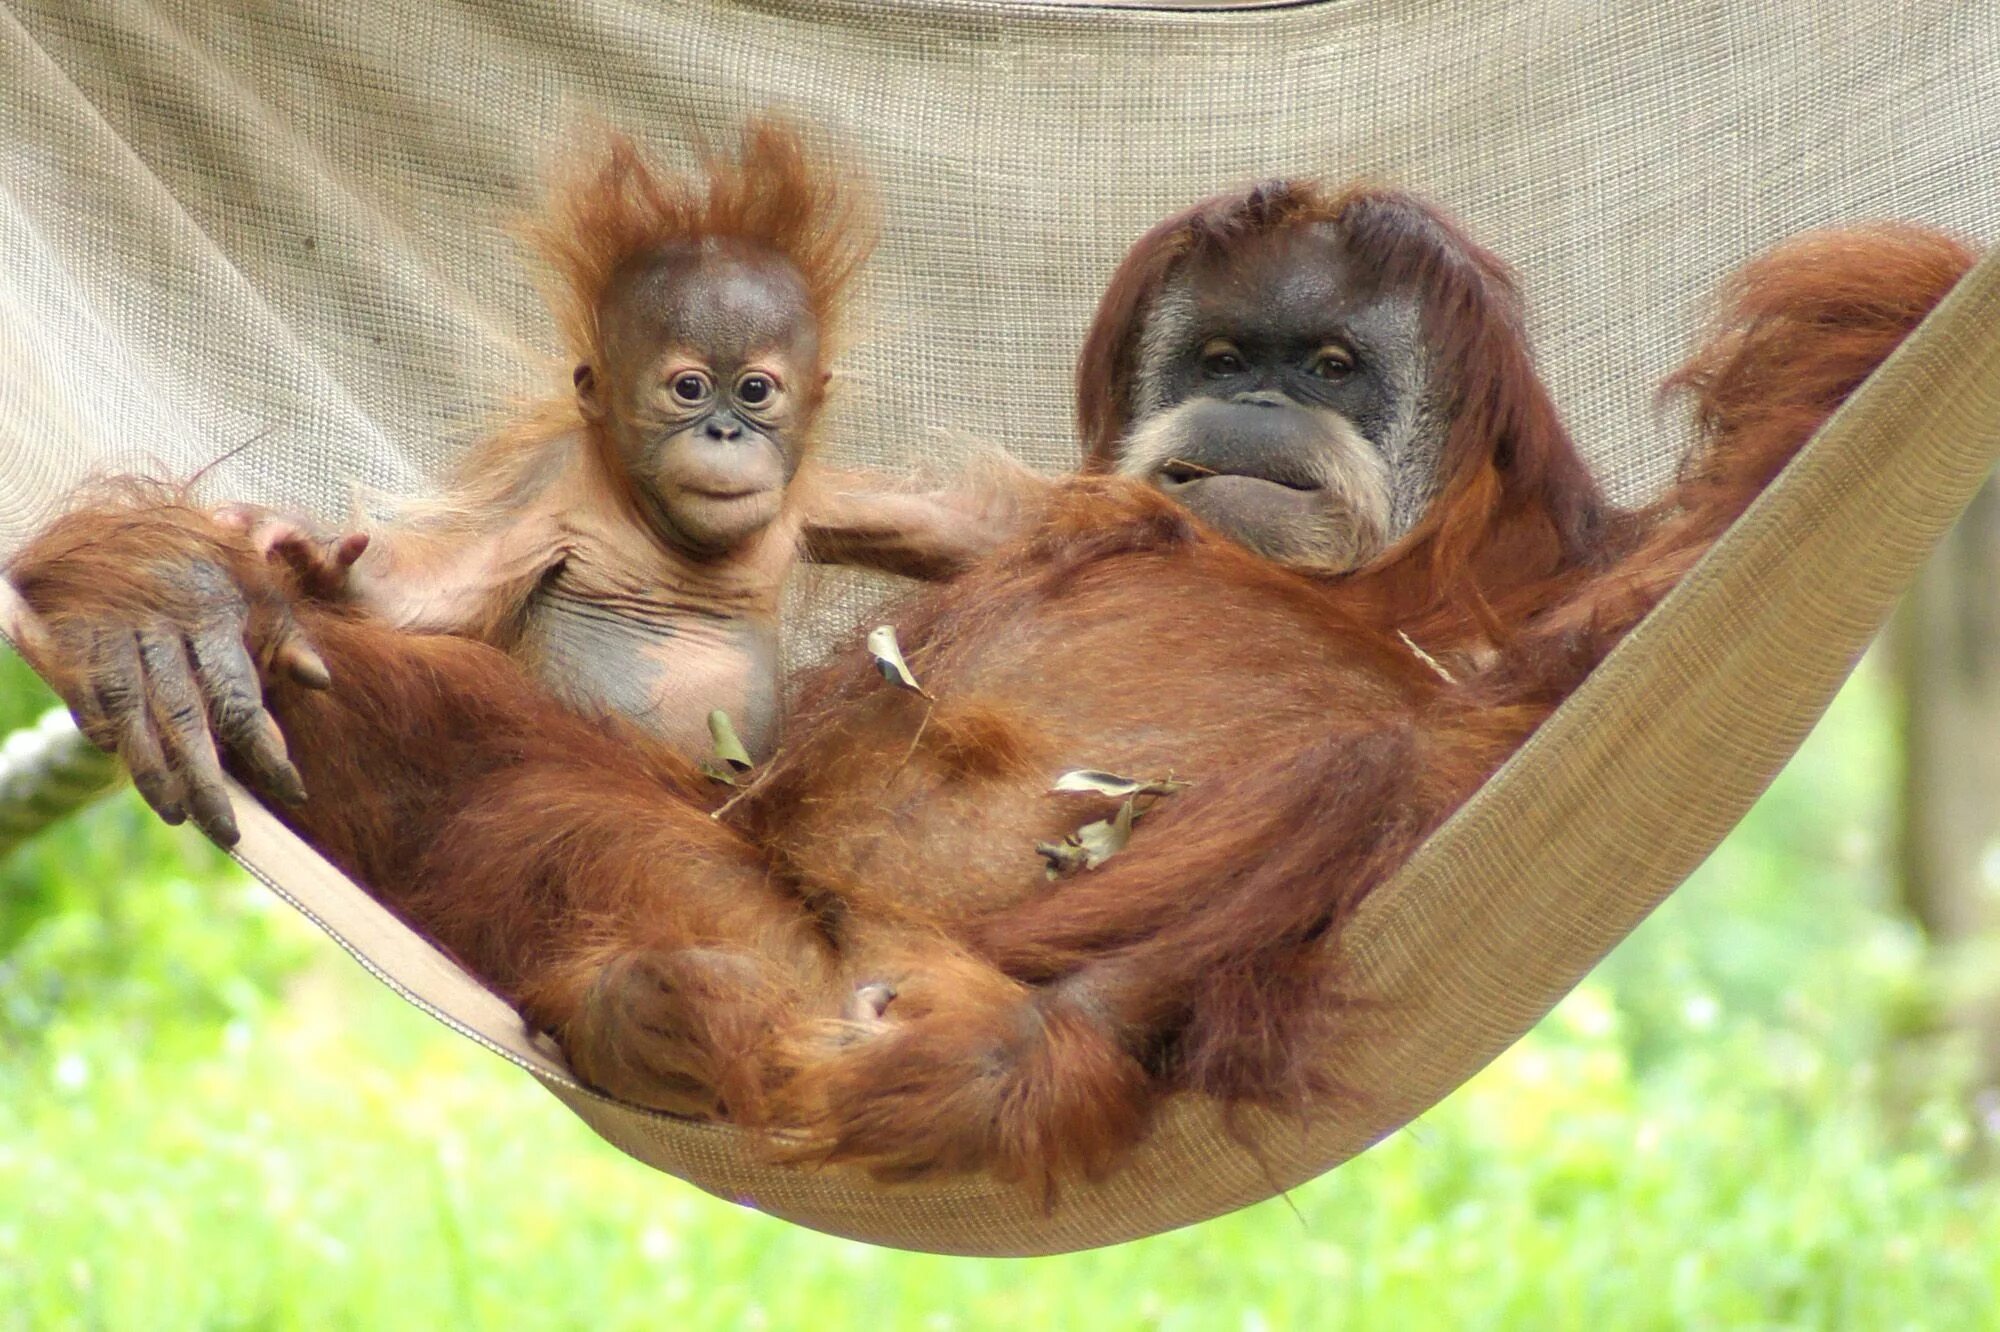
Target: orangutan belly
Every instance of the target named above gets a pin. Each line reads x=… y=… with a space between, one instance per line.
x=665 y=666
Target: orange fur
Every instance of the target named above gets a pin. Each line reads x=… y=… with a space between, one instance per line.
x=1208 y=949
x=1516 y=500
x=704 y=965
x=543 y=526
x=607 y=206
x=612 y=206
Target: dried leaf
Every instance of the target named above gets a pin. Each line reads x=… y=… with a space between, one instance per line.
x=1092 y=844
x=1090 y=781
x=1106 y=837
x=727 y=747
x=888 y=656
x=1064 y=857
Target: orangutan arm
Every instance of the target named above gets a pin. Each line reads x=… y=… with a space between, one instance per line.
x=932 y=533
x=435 y=570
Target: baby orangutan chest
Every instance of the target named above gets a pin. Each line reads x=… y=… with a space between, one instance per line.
x=663 y=662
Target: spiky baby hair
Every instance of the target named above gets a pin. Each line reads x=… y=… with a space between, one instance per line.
x=608 y=205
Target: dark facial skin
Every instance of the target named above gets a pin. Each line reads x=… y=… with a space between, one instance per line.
x=709 y=378
x=1286 y=402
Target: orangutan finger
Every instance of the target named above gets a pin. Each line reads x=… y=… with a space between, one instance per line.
x=84 y=666
x=285 y=650
x=182 y=721
x=281 y=538
x=287 y=543
x=322 y=565
x=868 y=1003
x=246 y=731
x=306 y=556
x=294 y=656
x=348 y=549
x=110 y=709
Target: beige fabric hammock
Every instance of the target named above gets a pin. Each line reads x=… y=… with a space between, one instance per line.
x=281 y=226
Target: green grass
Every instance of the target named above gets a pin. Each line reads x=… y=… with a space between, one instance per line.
x=209 y=1118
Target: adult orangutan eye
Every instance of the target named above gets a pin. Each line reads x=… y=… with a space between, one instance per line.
x=1333 y=362
x=1219 y=360
x=756 y=389
x=690 y=387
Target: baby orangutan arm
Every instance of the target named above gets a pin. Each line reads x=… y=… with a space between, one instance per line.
x=439 y=570
x=932 y=533
x=469 y=576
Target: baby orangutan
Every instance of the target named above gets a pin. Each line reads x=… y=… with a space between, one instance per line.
x=629 y=543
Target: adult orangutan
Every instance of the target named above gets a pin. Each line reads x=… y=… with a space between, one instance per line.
x=869 y=950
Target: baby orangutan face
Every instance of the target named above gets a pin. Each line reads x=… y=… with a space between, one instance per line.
x=709 y=379
x=1286 y=402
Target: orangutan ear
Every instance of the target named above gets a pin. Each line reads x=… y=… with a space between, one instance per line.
x=587 y=399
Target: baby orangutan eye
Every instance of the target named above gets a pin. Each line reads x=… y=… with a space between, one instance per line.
x=756 y=389
x=690 y=387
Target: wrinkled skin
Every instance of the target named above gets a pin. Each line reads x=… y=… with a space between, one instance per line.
x=1286 y=404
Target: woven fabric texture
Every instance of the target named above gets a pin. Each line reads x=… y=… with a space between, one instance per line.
x=280 y=230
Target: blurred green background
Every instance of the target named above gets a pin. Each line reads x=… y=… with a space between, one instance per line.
x=1755 y=1114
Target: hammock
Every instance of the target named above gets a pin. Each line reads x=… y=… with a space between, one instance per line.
x=281 y=229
